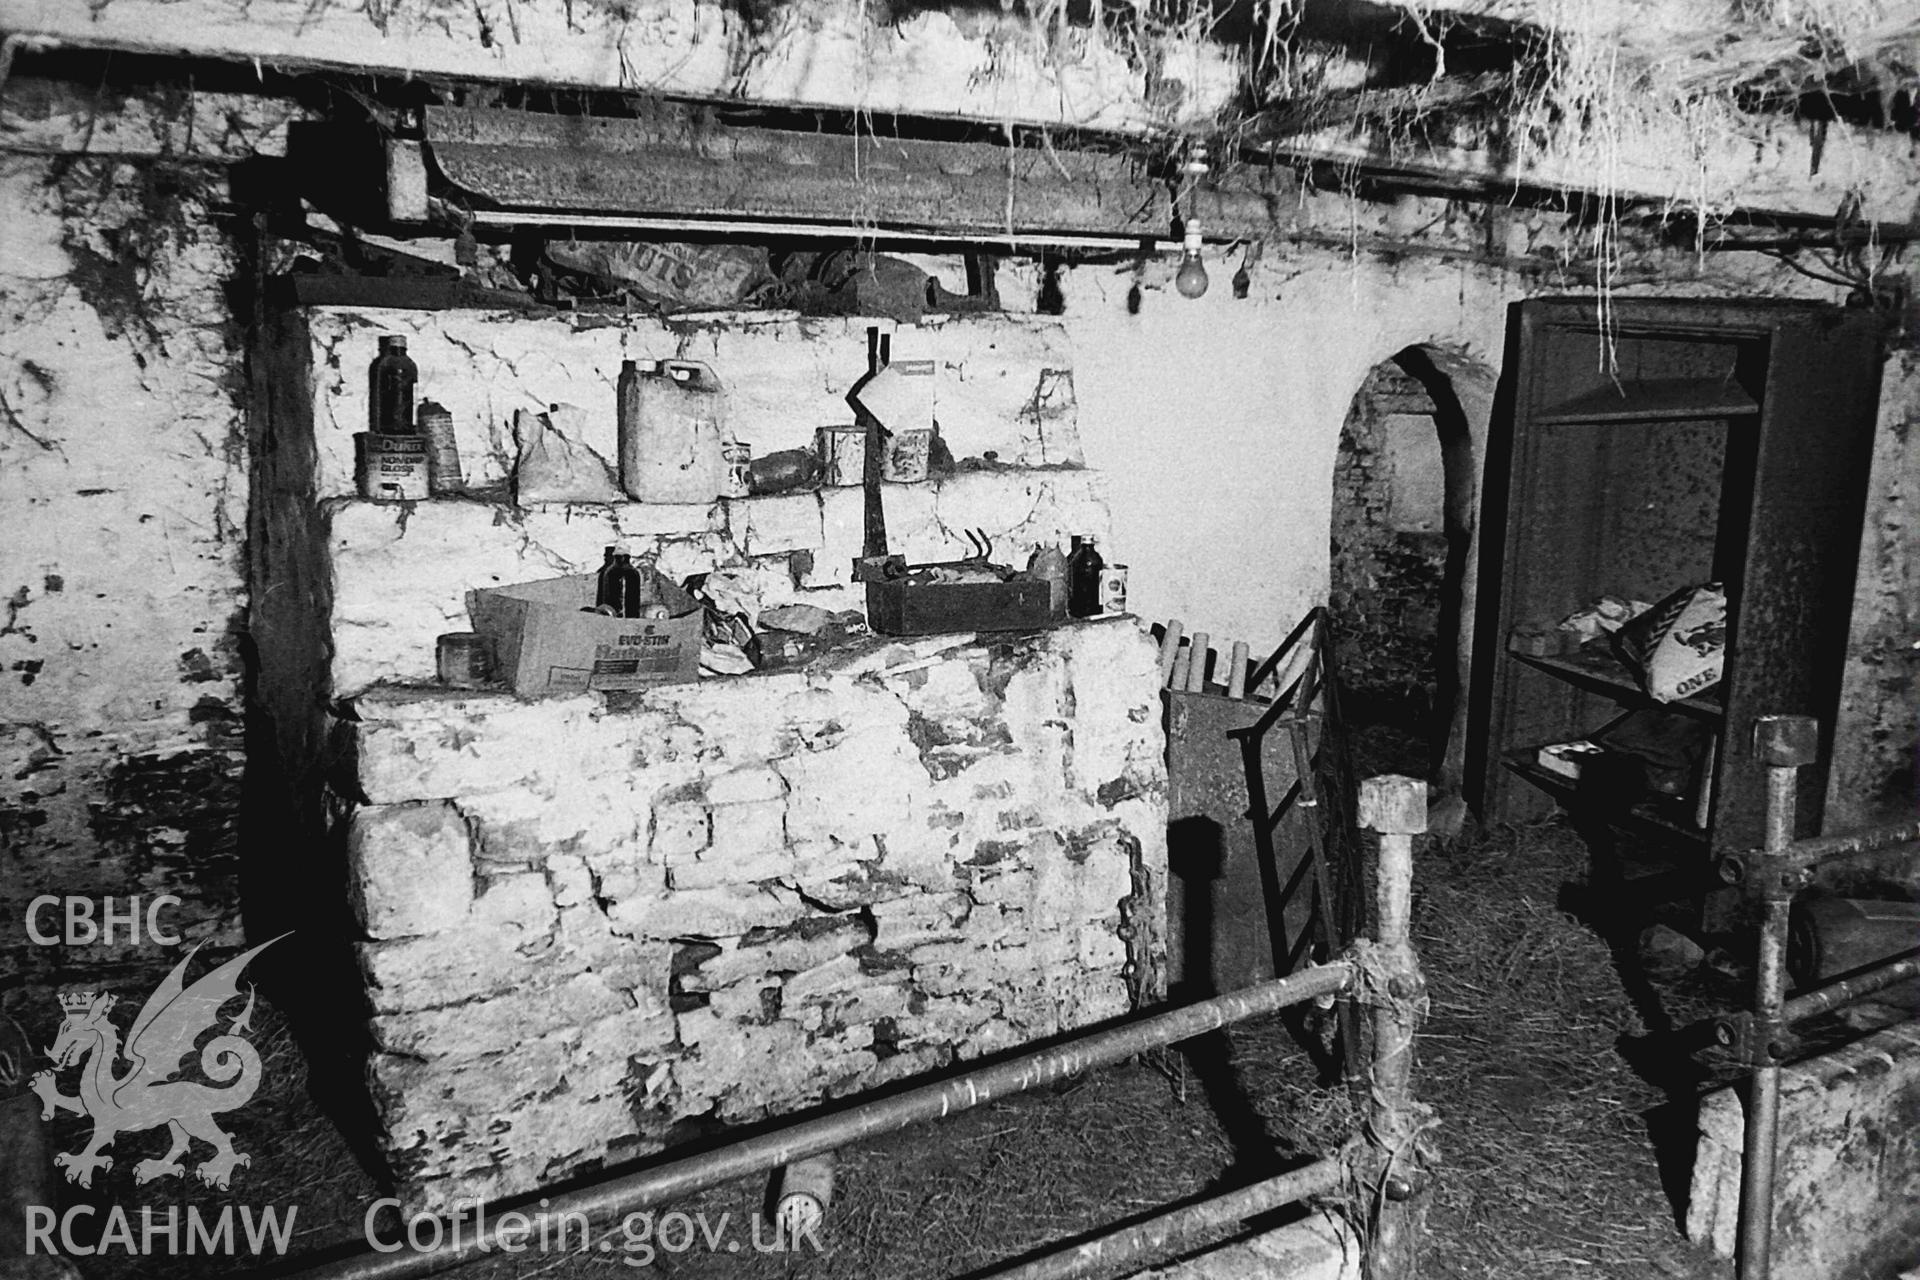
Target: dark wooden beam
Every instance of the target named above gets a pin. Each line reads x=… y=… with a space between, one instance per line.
x=684 y=167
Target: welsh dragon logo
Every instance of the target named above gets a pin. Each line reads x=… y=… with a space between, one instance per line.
x=146 y=1095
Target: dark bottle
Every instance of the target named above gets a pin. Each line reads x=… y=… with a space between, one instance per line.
x=623 y=588
x=778 y=472
x=1083 y=577
x=390 y=389
x=602 y=586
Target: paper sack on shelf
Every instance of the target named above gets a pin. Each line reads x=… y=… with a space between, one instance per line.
x=544 y=644
x=1678 y=647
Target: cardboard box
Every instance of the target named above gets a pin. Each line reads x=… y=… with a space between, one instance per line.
x=543 y=644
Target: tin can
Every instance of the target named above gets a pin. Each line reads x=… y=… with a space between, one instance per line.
x=805 y=1192
x=464 y=659
x=905 y=460
x=843 y=454
x=391 y=468
x=1113 y=589
x=443 y=451
x=733 y=477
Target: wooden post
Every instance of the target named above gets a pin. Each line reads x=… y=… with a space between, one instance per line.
x=1396 y=808
x=1237 y=672
x=1170 y=649
x=1197 y=669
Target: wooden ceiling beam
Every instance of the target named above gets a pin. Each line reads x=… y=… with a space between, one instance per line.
x=512 y=160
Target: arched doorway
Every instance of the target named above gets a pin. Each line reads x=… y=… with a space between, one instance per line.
x=1405 y=501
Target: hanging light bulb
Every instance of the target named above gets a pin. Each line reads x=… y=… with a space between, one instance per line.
x=1191 y=279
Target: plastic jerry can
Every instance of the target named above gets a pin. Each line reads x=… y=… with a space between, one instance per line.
x=673 y=432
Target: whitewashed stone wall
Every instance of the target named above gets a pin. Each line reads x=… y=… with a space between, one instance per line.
x=122 y=598
x=400 y=574
x=1005 y=382
x=591 y=920
x=381 y=580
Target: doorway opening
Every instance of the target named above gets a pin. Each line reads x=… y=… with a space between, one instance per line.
x=1404 y=505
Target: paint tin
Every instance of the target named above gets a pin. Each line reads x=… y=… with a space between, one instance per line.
x=443 y=451
x=464 y=660
x=1113 y=589
x=803 y=1193
x=733 y=477
x=843 y=454
x=905 y=459
x=391 y=468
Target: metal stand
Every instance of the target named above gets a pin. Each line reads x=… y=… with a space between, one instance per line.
x=1774 y=874
x=1396 y=808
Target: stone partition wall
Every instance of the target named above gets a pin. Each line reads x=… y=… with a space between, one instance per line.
x=350 y=593
x=595 y=923
x=1847 y=1184
x=591 y=925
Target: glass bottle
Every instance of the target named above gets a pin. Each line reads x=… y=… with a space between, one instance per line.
x=390 y=382
x=1083 y=577
x=603 y=586
x=623 y=594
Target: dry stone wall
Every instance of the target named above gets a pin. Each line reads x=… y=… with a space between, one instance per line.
x=598 y=922
x=591 y=925
x=381 y=580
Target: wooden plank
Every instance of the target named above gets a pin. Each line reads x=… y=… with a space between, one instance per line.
x=528 y=160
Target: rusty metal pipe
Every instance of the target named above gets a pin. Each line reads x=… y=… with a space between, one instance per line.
x=607 y=1201
x=1783 y=744
x=1396 y=808
x=1807 y=853
x=1763 y=1106
x=1180 y=1229
x=1894 y=969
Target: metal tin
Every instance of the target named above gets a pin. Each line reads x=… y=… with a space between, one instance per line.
x=738 y=457
x=464 y=659
x=443 y=451
x=391 y=468
x=805 y=1192
x=1113 y=589
x=843 y=454
x=905 y=459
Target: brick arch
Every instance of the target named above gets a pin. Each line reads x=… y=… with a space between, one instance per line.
x=1455 y=390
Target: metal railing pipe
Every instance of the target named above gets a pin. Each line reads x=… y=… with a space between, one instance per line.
x=1783 y=744
x=606 y=1201
x=1798 y=859
x=1894 y=969
x=1396 y=808
x=1818 y=849
x=1180 y=1229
